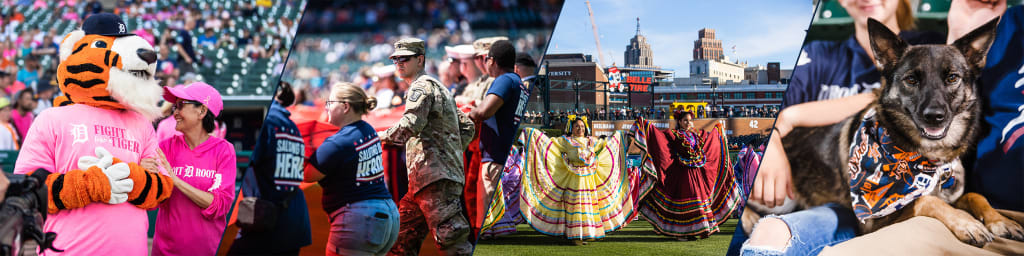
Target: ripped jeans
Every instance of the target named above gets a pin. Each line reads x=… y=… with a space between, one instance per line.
x=811 y=231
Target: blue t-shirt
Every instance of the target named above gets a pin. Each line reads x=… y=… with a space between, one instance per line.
x=835 y=69
x=203 y=39
x=498 y=132
x=998 y=171
x=351 y=160
x=29 y=78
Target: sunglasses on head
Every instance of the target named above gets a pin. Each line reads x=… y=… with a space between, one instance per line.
x=401 y=59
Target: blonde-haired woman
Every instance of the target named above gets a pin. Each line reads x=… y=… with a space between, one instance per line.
x=364 y=219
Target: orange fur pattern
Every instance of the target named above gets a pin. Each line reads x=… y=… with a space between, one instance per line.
x=84 y=74
x=150 y=188
x=77 y=189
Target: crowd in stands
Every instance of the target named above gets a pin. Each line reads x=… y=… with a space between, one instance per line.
x=187 y=35
x=358 y=50
x=630 y=113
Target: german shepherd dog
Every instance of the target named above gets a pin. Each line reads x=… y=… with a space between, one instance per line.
x=927 y=104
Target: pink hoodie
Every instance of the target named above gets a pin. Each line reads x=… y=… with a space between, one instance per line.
x=58 y=137
x=182 y=228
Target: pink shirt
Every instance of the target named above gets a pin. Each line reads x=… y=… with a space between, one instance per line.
x=60 y=136
x=22 y=122
x=182 y=228
x=165 y=129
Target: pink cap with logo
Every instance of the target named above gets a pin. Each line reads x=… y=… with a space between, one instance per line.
x=198 y=91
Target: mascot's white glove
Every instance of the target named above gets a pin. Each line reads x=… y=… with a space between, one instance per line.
x=117 y=174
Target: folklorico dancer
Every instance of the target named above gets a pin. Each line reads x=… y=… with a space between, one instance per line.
x=695 y=190
x=576 y=186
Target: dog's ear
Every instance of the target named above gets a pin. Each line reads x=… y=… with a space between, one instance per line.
x=974 y=46
x=887 y=46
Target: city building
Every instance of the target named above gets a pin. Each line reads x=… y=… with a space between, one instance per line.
x=706 y=47
x=718 y=71
x=750 y=95
x=757 y=74
x=638 y=52
x=577 y=81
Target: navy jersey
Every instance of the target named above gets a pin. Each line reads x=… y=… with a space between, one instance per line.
x=276 y=165
x=998 y=172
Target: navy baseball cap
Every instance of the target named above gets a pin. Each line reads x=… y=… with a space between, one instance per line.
x=105 y=24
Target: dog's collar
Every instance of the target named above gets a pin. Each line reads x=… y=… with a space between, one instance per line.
x=883 y=177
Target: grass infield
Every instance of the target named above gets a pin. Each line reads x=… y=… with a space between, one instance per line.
x=638 y=238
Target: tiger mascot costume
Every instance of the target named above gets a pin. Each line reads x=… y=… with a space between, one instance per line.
x=92 y=143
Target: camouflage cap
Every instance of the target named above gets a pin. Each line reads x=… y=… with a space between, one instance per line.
x=409 y=46
x=483 y=45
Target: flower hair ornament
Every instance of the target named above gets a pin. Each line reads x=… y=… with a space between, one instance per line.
x=572 y=122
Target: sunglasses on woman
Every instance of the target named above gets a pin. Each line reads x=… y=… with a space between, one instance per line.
x=180 y=103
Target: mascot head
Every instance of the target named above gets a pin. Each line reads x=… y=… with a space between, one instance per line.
x=102 y=65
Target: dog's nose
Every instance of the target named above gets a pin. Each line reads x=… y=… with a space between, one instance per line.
x=147 y=55
x=934 y=114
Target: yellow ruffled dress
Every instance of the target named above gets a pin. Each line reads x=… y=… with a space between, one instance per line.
x=576 y=187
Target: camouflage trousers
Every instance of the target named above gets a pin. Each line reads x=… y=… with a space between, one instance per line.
x=437 y=209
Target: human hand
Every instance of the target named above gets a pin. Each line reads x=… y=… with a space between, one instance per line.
x=151 y=164
x=774 y=177
x=161 y=159
x=966 y=15
x=4 y=183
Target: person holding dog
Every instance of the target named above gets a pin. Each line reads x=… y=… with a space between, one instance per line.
x=830 y=70
x=994 y=164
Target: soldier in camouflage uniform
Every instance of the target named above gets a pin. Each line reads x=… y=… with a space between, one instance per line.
x=435 y=134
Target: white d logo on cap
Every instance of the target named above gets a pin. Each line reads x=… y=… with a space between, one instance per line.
x=121 y=27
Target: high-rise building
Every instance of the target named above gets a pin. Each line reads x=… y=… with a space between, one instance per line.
x=706 y=47
x=638 y=52
x=774 y=73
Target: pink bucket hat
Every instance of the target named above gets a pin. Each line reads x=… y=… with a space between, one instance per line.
x=198 y=91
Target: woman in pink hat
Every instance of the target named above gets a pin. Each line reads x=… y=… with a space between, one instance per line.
x=192 y=221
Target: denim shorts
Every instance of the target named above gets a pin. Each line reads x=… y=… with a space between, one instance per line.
x=368 y=227
x=811 y=231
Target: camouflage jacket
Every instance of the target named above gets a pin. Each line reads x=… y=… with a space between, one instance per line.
x=476 y=89
x=484 y=84
x=435 y=134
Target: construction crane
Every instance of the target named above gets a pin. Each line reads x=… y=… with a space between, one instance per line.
x=597 y=39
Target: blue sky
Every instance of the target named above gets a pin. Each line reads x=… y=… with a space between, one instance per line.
x=762 y=31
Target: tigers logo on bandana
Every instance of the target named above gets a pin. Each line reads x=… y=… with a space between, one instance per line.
x=883 y=177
